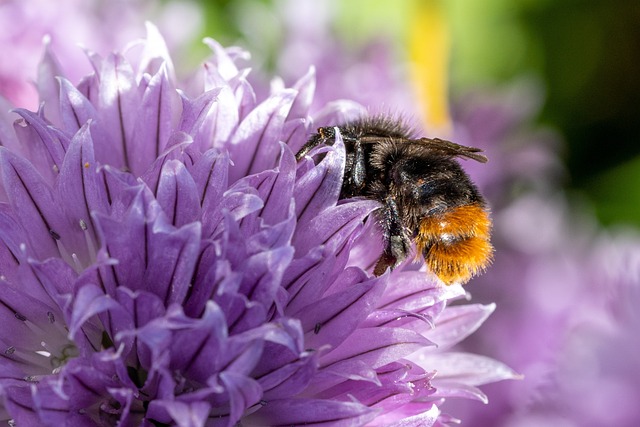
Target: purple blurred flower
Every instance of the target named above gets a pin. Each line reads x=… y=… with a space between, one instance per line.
x=367 y=79
x=565 y=288
x=97 y=25
x=165 y=260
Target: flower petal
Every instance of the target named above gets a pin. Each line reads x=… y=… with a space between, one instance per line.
x=341 y=111
x=243 y=393
x=258 y=134
x=275 y=188
x=192 y=414
x=464 y=368
x=377 y=346
x=34 y=205
x=177 y=194
x=75 y=108
x=45 y=144
x=155 y=121
x=319 y=188
x=90 y=301
x=425 y=419
x=456 y=323
x=48 y=71
x=452 y=388
x=305 y=87
x=172 y=257
x=416 y=293
x=333 y=226
x=83 y=192
x=118 y=106
x=321 y=413
x=291 y=379
x=332 y=319
x=197 y=119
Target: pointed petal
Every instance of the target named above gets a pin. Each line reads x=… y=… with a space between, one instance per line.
x=126 y=236
x=314 y=276
x=258 y=135
x=225 y=117
x=177 y=194
x=234 y=204
x=295 y=133
x=33 y=202
x=333 y=318
x=336 y=374
x=210 y=175
x=55 y=281
x=320 y=187
x=223 y=62
x=377 y=346
x=305 y=88
x=193 y=414
x=197 y=119
x=48 y=70
x=333 y=226
x=75 y=108
x=172 y=257
x=263 y=274
x=90 y=301
x=8 y=137
x=46 y=144
x=453 y=388
x=425 y=419
x=465 y=368
x=156 y=120
x=456 y=323
x=177 y=146
x=290 y=379
x=316 y=412
x=135 y=310
x=243 y=393
x=337 y=112
x=196 y=345
x=417 y=292
x=79 y=185
x=276 y=189
x=118 y=107
x=154 y=49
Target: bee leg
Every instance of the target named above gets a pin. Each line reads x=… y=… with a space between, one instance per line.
x=397 y=241
x=359 y=166
x=315 y=140
x=385 y=261
x=355 y=172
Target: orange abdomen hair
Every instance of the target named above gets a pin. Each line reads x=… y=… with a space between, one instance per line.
x=456 y=243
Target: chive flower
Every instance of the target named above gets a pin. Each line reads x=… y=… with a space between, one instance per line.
x=164 y=260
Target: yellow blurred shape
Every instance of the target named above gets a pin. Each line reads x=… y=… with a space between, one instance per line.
x=429 y=47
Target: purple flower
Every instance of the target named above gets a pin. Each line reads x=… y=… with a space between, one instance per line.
x=565 y=288
x=94 y=24
x=165 y=260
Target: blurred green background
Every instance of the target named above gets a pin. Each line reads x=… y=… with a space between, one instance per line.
x=585 y=54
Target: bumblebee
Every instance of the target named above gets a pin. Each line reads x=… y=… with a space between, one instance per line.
x=426 y=197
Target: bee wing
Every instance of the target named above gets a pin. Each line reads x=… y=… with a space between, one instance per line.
x=451 y=148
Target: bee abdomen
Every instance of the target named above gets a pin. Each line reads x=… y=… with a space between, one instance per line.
x=456 y=243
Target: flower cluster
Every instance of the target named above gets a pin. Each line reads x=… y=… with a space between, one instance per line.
x=165 y=260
